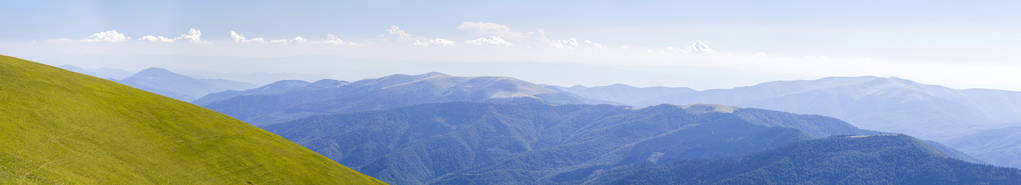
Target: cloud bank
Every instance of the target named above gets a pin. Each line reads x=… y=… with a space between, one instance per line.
x=192 y=36
x=107 y=36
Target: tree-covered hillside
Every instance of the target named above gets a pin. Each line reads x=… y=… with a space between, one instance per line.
x=882 y=159
x=531 y=142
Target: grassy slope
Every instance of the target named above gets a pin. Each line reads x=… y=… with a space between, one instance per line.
x=60 y=127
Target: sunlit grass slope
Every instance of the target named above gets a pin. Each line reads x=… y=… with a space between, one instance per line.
x=60 y=127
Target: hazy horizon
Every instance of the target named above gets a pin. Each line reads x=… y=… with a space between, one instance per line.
x=696 y=44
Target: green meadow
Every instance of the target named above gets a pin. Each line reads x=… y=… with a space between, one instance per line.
x=61 y=127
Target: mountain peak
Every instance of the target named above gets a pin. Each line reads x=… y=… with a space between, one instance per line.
x=327 y=83
x=284 y=84
x=155 y=70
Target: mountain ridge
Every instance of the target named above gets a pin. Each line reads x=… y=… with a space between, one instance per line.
x=165 y=82
x=380 y=93
x=870 y=102
x=442 y=143
x=878 y=159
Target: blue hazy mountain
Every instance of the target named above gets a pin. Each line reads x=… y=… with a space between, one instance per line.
x=624 y=94
x=529 y=142
x=996 y=146
x=177 y=86
x=260 y=107
x=895 y=159
x=883 y=104
x=278 y=87
x=104 y=73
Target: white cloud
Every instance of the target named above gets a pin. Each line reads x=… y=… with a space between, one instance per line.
x=493 y=29
x=569 y=43
x=296 y=40
x=441 y=42
x=565 y=43
x=163 y=39
x=335 y=40
x=107 y=36
x=696 y=48
x=594 y=44
x=701 y=48
x=192 y=36
x=330 y=39
x=401 y=34
x=404 y=36
x=239 y=38
x=491 y=40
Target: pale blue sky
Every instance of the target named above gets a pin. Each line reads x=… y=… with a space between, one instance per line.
x=901 y=38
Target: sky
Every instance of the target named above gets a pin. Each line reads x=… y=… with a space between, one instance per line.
x=697 y=44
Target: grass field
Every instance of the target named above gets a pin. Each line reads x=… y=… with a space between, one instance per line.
x=60 y=127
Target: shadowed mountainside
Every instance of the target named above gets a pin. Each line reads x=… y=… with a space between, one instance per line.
x=532 y=142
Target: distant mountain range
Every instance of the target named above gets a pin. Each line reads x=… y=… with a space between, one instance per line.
x=177 y=86
x=435 y=128
x=279 y=87
x=624 y=94
x=61 y=127
x=290 y=100
x=835 y=160
x=536 y=143
x=997 y=146
x=885 y=104
x=104 y=73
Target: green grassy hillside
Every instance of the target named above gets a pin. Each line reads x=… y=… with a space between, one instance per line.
x=60 y=127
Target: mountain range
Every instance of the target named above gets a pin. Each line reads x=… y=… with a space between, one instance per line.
x=624 y=94
x=529 y=142
x=435 y=128
x=61 y=127
x=278 y=87
x=885 y=104
x=881 y=159
x=290 y=100
x=997 y=146
x=177 y=86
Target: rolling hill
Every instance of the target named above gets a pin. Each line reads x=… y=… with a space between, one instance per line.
x=61 y=127
x=529 y=142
